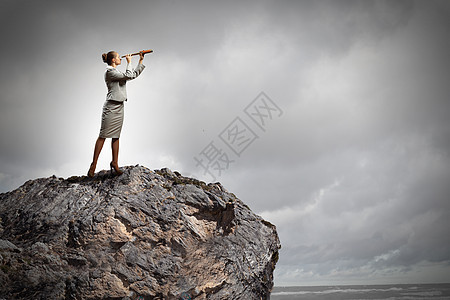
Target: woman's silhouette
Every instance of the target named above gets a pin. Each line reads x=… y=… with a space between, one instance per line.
x=113 y=109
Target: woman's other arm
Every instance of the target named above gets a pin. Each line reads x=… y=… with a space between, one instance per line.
x=116 y=75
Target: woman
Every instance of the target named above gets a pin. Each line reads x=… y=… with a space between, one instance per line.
x=112 y=116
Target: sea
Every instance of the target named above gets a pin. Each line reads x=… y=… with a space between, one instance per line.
x=363 y=292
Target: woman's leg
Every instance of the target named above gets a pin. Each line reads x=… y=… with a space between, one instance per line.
x=115 y=156
x=97 y=149
x=115 y=151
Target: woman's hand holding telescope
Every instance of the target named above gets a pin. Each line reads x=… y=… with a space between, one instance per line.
x=140 y=53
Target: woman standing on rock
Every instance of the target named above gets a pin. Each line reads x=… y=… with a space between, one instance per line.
x=113 y=109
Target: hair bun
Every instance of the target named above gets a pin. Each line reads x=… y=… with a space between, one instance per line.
x=104 y=57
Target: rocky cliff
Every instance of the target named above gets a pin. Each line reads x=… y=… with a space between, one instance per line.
x=142 y=235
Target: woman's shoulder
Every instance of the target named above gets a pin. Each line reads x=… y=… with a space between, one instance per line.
x=112 y=73
x=111 y=69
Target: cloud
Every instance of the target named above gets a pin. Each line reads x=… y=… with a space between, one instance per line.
x=353 y=173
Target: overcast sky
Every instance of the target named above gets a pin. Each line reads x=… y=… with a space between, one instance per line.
x=351 y=163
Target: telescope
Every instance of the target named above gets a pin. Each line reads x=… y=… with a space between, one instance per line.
x=137 y=53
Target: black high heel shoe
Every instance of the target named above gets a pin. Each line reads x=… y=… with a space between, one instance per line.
x=91 y=171
x=116 y=168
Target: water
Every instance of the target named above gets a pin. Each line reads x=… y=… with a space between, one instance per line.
x=362 y=292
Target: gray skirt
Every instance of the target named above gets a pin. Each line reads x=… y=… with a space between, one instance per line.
x=112 y=119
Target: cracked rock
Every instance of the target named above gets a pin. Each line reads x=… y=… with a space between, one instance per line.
x=150 y=234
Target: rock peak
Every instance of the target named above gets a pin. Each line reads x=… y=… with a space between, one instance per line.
x=151 y=234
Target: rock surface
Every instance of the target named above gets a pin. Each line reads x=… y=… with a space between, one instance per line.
x=144 y=234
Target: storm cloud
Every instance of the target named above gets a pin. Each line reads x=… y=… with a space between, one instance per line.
x=354 y=172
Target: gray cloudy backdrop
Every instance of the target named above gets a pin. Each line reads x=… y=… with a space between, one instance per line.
x=354 y=173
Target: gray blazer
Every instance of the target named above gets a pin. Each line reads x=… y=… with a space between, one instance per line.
x=116 y=81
